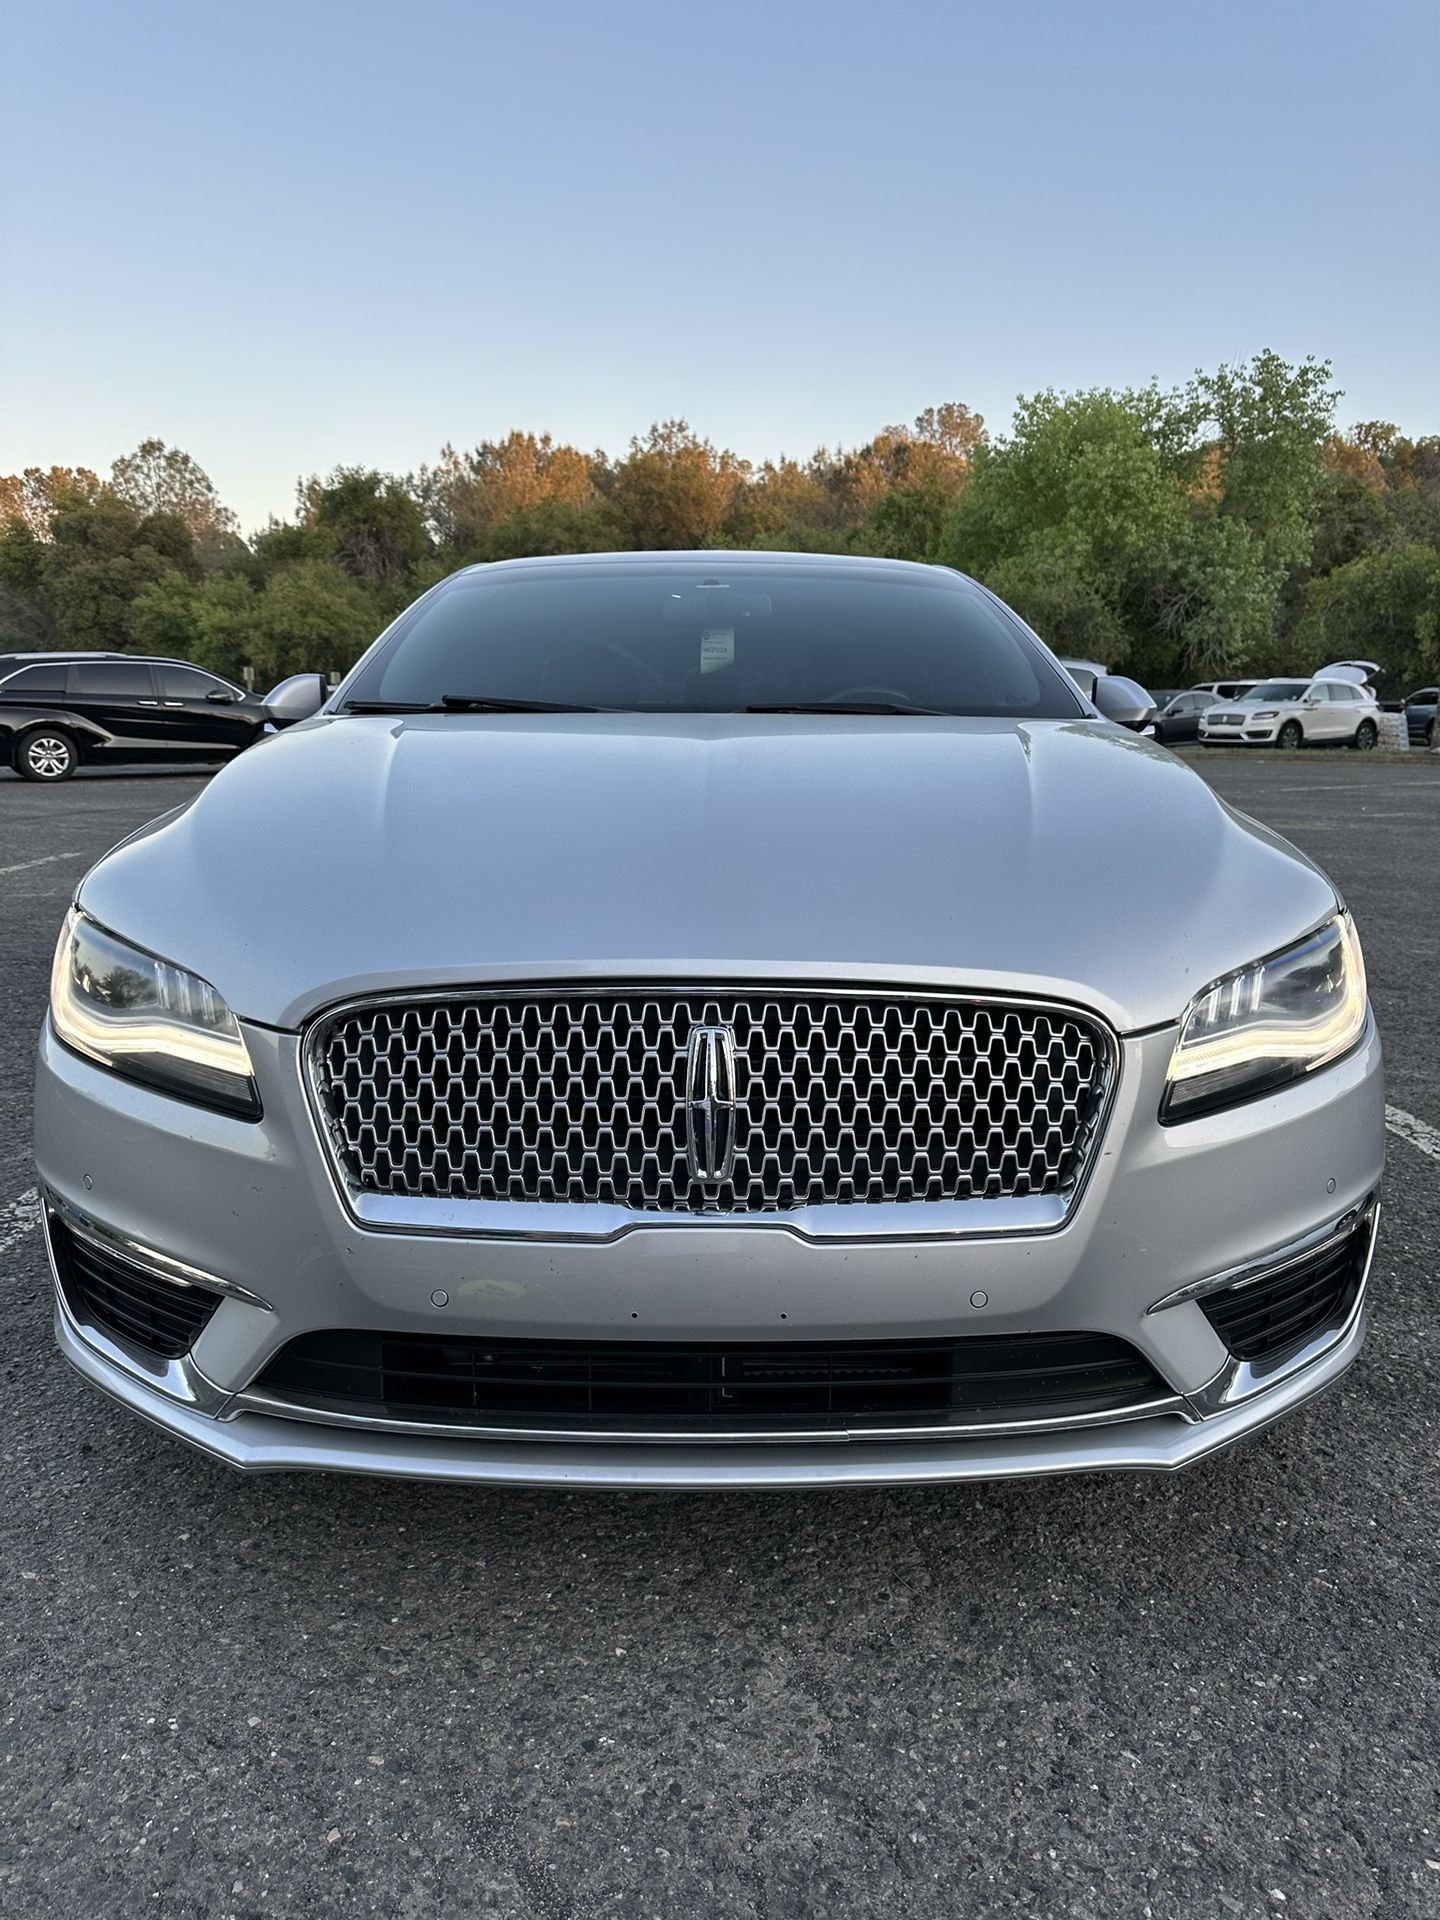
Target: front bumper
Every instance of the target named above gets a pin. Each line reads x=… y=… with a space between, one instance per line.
x=1261 y=736
x=254 y=1206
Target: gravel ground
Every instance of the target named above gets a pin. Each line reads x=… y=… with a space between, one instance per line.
x=1196 y=1696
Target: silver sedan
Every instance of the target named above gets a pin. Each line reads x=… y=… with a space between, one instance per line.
x=691 y=1020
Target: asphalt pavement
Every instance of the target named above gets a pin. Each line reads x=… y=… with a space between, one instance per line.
x=1203 y=1695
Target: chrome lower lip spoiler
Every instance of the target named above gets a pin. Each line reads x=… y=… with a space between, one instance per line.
x=1269 y=1265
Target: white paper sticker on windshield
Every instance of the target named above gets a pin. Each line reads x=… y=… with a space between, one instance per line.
x=717 y=648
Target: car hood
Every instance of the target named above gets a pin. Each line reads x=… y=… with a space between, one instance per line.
x=357 y=854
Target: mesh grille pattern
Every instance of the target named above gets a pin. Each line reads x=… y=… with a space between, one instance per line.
x=839 y=1098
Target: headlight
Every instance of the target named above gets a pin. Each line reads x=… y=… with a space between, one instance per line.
x=1269 y=1024
x=148 y=1020
x=1266 y=713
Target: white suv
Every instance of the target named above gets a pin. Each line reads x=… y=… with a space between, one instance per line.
x=1295 y=713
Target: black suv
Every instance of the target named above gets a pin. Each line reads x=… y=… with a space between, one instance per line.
x=59 y=711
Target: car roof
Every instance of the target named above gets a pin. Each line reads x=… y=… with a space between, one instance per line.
x=67 y=653
x=134 y=659
x=687 y=559
x=9 y=660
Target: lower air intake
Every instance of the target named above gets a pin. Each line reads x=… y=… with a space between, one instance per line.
x=1274 y=1316
x=615 y=1386
x=159 y=1316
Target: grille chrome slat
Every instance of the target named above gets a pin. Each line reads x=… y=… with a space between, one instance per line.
x=580 y=1098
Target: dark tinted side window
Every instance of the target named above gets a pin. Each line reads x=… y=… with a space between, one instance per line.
x=42 y=679
x=112 y=680
x=188 y=683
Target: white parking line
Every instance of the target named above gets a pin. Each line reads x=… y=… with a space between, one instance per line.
x=1419 y=1133
x=17 y=1218
x=44 y=861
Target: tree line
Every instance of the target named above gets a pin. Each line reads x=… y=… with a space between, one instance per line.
x=1219 y=528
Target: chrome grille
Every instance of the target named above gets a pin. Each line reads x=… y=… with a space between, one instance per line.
x=581 y=1098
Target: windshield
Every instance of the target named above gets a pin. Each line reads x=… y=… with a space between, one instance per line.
x=713 y=638
x=1279 y=690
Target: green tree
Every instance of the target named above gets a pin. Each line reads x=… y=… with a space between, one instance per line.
x=1272 y=423
x=552 y=526
x=214 y=621
x=1080 y=518
x=1384 y=605
x=101 y=554
x=22 y=561
x=24 y=623
x=368 y=523
x=909 y=522
x=312 y=619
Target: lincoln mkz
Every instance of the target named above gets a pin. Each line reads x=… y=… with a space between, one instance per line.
x=694 y=1020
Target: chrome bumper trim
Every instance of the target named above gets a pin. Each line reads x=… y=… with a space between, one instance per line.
x=556 y=1221
x=253 y=1401
x=1270 y=1264
x=164 y=1266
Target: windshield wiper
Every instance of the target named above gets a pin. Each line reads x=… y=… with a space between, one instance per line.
x=849 y=706
x=467 y=703
x=390 y=706
x=489 y=703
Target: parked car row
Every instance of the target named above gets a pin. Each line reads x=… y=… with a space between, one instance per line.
x=1335 y=707
x=59 y=711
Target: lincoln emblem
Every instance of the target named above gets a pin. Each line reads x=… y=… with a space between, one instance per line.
x=710 y=1104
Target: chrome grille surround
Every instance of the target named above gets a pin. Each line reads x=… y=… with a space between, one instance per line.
x=847 y=1103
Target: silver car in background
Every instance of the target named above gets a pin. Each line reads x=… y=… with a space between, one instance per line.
x=691 y=1020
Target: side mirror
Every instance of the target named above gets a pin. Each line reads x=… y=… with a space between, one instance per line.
x=297 y=698
x=1124 y=701
x=219 y=698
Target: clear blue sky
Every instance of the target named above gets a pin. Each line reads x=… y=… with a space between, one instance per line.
x=284 y=236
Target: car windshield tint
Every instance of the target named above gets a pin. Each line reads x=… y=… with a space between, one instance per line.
x=716 y=638
x=1279 y=690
